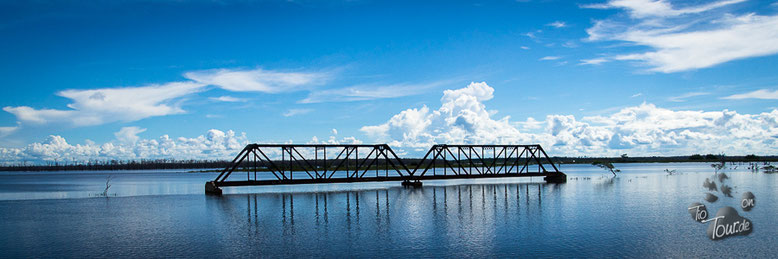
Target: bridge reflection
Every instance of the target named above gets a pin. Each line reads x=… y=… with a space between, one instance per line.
x=374 y=211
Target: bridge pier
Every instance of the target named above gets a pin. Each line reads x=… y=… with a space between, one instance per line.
x=211 y=188
x=556 y=178
x=411 y=183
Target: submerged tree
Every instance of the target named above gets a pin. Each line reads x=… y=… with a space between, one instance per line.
x=718 y=166
x=107 y=185
x=607 y=166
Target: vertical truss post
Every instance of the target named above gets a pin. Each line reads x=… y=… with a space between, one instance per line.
x=444 y=161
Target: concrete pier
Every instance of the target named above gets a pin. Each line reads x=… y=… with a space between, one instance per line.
x=411 y=183
x=211 y=188
x=556 y=178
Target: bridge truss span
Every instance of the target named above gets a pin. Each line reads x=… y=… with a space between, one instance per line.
x=486 y=160
x=274 y=164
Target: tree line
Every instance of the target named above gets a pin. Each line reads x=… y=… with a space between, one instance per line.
x=172 y=164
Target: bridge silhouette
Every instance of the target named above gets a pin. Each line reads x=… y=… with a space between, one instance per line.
x=309 y=164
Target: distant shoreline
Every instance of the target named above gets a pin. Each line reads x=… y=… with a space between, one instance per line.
x=215 y=166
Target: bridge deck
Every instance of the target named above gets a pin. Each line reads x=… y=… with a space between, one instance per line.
x=374 y=179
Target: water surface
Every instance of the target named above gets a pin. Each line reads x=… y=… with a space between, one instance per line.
x=642 y=212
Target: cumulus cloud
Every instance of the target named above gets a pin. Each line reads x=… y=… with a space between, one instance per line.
x=129 y=135
x=530 y=124
x=685 y=38
x=333 y=140
x=99 y=106
x=258 y=80
x=641 y=130
x=549 y=58
x=758 y=94
x=462 y=118
x=215 y=144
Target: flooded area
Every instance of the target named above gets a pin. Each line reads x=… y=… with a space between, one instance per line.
x=641 y=212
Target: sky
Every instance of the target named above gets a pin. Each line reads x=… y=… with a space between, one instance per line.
x=129 y=80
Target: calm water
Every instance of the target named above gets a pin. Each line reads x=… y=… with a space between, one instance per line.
x=642 y=212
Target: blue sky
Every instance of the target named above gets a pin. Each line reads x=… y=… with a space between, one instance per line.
x=109 y=79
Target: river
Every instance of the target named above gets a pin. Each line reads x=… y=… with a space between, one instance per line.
x=640 y=213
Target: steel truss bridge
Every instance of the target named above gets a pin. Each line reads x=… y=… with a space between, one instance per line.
x=276 y=164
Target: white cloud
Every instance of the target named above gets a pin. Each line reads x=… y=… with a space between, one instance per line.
x=741 y=37
x=462 y=118
x=530 y=124
x=691 y=37
x=683 y=97
x=258 y=80
x=594 y=61
x=99 y=106
x=549 y=58
x=570 y=44
x=658 y=8
x=636 y=95
x=5 y=131
x=524 y=47
x=129 y=135
x=758 y=94
x=368 y=92
x=293 y=112
x=331 y=140
x=215 y=144
x=334 y=132
x=127 y=104
x=603 y=30
x=557 y=24
x=639 y=130
x=228 y=99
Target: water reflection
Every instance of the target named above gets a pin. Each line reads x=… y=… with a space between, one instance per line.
x=642 y=209
x=357 y=212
